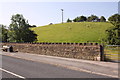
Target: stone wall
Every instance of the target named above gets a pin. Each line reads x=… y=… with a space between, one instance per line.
x=86 y=51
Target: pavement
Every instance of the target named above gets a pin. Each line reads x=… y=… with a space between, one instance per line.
x=103 y=69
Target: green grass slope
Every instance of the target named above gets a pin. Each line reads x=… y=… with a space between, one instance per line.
x=72 y=32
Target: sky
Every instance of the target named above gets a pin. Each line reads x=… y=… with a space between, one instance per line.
x=44 y=13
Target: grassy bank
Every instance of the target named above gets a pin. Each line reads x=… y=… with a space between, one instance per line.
x=72 y=32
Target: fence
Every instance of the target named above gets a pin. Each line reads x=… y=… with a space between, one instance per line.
x=112 y=53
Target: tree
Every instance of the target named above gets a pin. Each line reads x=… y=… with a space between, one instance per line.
x=93 y=18
x=112 y=38
x=102 y=19
x=114 y=18
x=113 y=33
x=80 y=19
x=32 y=26
x=76 y=19
x=83 y=18
x=19 y=30
x=69 y=20
x=3 y=33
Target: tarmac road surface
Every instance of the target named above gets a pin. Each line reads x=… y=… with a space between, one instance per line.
x=19 y=68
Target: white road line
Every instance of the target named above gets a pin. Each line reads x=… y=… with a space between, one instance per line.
x=12 y=73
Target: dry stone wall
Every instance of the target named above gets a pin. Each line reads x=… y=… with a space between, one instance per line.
x=86 y=51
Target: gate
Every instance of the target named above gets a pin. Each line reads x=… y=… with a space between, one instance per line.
x=112 y=53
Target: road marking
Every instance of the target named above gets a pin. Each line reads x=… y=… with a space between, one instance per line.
x=12 y=73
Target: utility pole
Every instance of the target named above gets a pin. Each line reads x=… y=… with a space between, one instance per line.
x=62 y=14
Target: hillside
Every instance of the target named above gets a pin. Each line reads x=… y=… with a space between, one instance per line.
x=72 y=32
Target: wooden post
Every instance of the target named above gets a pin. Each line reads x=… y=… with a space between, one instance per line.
x=101 y=53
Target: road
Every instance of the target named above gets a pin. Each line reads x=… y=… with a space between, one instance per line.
x=20 y=68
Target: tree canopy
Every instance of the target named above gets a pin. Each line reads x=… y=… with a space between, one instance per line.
x=68 y=20
x=80 y=19
x=113 y=37
x=19 y=30
x=93 y=18
x=114 y=18
x=3 y=33
x=102 y=19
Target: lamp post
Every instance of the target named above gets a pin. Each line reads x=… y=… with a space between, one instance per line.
x=62 y=14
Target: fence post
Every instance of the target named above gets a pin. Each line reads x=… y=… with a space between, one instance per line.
x=101 y=53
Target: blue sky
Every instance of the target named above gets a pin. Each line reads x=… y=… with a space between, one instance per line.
x=43 y=13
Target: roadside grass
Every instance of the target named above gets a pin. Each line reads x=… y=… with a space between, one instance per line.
x=77 y=32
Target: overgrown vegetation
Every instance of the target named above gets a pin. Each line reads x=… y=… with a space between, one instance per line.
x=113 y=32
